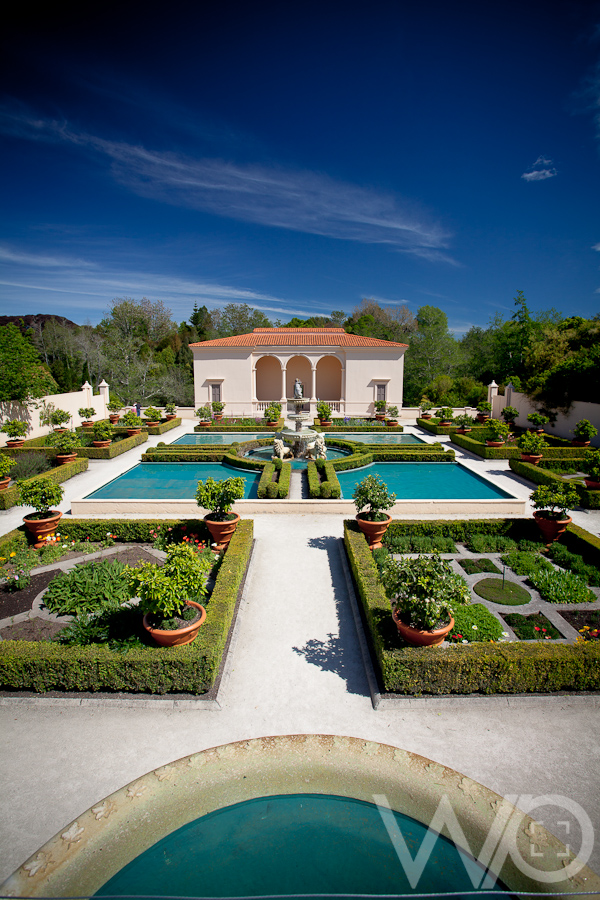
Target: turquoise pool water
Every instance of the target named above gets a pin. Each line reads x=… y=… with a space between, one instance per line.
x=291 y=844
x=229 y=438
x=220 y=438
x=171 y=481
x=266 y=453
x=378 y=438
x=424 y=481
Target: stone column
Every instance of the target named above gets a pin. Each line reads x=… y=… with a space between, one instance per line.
x=105 y=394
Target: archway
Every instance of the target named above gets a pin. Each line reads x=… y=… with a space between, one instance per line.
x=329 y=378
x=268 y=378
x=298 y=367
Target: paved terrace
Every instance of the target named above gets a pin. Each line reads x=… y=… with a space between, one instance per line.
x=296 y=667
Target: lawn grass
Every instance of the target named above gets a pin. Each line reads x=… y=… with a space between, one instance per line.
x=474 y=566
x=508 y=593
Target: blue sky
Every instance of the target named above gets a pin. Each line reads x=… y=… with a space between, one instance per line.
x=300 y=156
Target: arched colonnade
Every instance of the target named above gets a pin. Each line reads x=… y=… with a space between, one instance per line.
x=273 y=378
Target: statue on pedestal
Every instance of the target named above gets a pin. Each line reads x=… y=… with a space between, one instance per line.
x=298 y=393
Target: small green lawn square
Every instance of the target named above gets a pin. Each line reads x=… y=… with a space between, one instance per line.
x=498 y=591
x=474 y=566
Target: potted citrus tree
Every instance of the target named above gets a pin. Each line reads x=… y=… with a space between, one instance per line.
x=497 y=433
x=169 y=594
x=584 y=431
x=272 y=414
x=152 y=417
x=531 y=446
x=16 y=431
x=42 y=494
x=380 y=407
x=58 y=418
x=170 y=411
x=218 y=497
x=132 y=423
x=483 y=411
x=65 y=443
x=86 y=413
x=425 y=405
x=324 y=413
x=551 y=503
x=465 y=423
x=591 y=467
x=103 y=432
x=423 y=592
x=371 y=497
x=114 y=406
x=537 y=421
x=217 y=407
x=6 y=464
x=509 y=414
x=204 y=416
x=445 y=415
x=392 y=416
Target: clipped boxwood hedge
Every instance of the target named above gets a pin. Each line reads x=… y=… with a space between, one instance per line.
x=192 y=668
x=587 y=499
x=218 y=426
x=9 y=497
x=503 y=668
x=557 y=448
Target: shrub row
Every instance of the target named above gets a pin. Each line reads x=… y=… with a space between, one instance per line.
x=505 y=668
x=285 y=476
x=359 y=429
x=240 y=428
x=196 y=454
x=461 y=529
x=45 y=666
x=354 y=461
x=560 y=450
x=331 y=488
x=314 y=480
x=588 y=499
x=9 y=497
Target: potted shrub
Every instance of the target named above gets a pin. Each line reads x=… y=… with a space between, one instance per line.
x=170 y=411
x=219 y=497
x=497 y=433
x=58 y=418
x=272 y=414
x=169 y=594
x=132 y=423
x=152 y=417
x=392 y=416
x=537 y=421
x=103 y=432
x=6 y=464
x=65 y=443
x=425 y=405
x=204 y=416
x=591 y=467
x=445 y=415
x=584 y=431
x=324 y=413
x=16 y=431
x=86 y=412
x=423 y=592
x=372 y=493
x=509 y=414
x=114 y=407
x=217 y=410
x=380 y=407
x=42 y=494
x=464 y=422
x=483 y=411
x=551 y=503
x=531 y=446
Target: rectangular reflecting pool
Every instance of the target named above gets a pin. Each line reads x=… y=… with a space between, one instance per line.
x=171 y=481
x=377 y=437
x=424 y=481
x=215 y=437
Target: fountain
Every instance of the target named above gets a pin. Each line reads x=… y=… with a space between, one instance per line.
x=304 y=442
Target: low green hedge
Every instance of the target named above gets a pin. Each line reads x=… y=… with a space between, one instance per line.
x=192 y=668
x=354 y=461
x=285 y=476
x=115 y=449
x=266 y=479
x=9 y=497
x=330 y=488
x=165 y=426
x=314 y=480
x=502 y=668
x=240 y=428
x=587 y=499
x=358 y=429
x=558 y=449
x=460 y=529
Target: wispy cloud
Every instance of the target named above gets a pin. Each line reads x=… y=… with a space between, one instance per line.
x=539 y=171
x=272 y=196
x=596 y=247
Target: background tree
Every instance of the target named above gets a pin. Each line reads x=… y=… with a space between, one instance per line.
x=23 y=377
x=433 y=351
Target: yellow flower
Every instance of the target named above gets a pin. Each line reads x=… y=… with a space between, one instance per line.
x=2 y=559
x=13 y=554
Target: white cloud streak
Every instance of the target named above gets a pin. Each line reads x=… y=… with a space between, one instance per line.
x=296 y=200
x=539 y=171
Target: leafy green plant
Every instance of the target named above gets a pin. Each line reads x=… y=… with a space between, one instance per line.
x=323 y=411
x=524 y=562
x=42 y=494
x=29 y=464
x=103 y=431
x=380 y=406
x=418 y=543
x=15 y=429
x=497 y=430
x=152 y=414
x=574 y=563
x=272 y=412
x=464 y=421
x=561 y=587
x=59 y=417
x=6 y=464
x=553 y=501
x=90 y=588
x=372 y=492
x=115 y=404
x=63 y=441
x=591 y=465
x=219 y=496
x=86 y=412
x=489 y=543
x=424 y=590
x=509 y=414
x=204 y=413
x=163 y=590
x=537 y=419
x=474 y=624
x=217 y=406
x=392 y=412
x=584 y=430
x=534 y=627
x=445 y=413
x=170 y=408
x=425 y=404
x=531 y=444
x=474 y=566
x=485 y=407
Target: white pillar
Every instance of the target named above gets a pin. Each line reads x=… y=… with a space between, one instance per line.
x=88 y=393
x=492 y=391
x=105 y=394
x=283 y=378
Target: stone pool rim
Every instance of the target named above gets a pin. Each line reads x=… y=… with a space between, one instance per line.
x=85 y=854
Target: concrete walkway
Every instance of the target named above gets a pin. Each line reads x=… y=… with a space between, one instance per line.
x=296 y=667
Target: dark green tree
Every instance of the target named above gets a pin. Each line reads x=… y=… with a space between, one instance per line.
x=22 y=375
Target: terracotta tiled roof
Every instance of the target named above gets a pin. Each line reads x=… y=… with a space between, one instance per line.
x=298 y=337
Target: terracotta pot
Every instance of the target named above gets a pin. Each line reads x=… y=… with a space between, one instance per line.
x=15 y=444
x=4 y=482
x=133 y=431
x=63 y=458
x=391 y=423
x=170 y=416
x=495 y=443
x=419 y=638
x=41 y=528
x=272 y=424
x=87 y=424
x=462 y=430
x=551 y=528
x=482 y=417
x=101 y=444
x=580 y=443
x=218 y=417
x=592 y=485
x=425 y=416
x=151 y=424
x=380 y=417
x=59 y=430
x=373 y=531
x=532 y=458
x=325 y=423
x=205 y=424
x=221 y=532
x=113 y=418
x=177 y=636
x=444 y=423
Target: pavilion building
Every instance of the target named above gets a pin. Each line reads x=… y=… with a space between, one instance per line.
x=249 y=371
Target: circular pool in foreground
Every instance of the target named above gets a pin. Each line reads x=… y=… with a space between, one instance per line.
x=82 y=858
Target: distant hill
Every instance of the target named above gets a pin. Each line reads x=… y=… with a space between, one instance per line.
x=36 y=322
